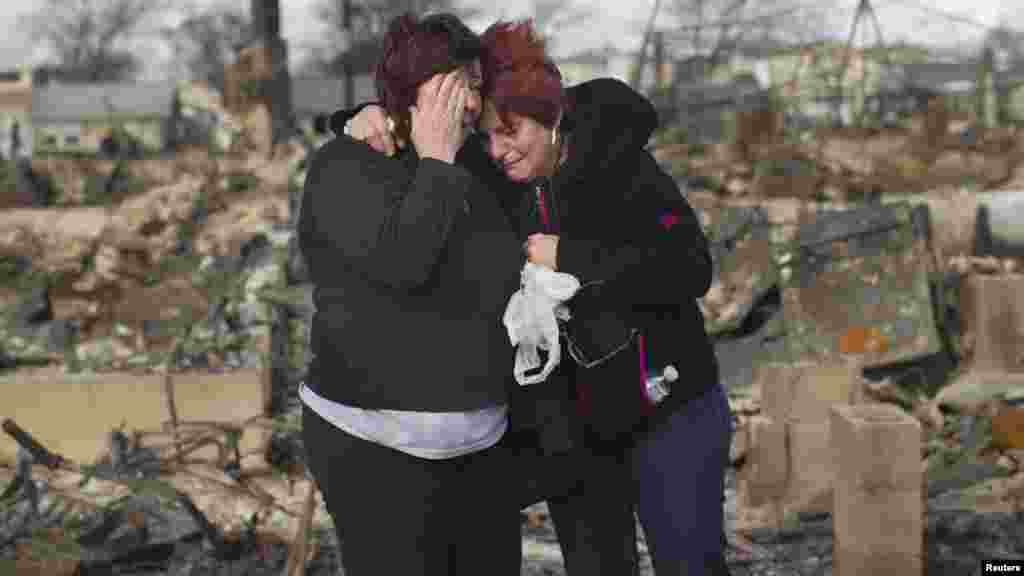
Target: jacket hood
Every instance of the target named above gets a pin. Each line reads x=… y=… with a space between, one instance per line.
x=606 y=119
x=337 y=120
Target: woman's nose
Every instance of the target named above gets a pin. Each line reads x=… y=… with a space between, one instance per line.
x=473 y=104
x=496 y=148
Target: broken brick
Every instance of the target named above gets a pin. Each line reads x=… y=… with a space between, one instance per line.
x=1008 y=428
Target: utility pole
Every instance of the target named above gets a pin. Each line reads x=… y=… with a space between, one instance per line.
x=659 y=60
x=266 y=15
x=864 y=10
x=641 y=57
x=986 y=100
x=346 y=59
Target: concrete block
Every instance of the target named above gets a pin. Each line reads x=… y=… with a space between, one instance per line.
x=811 y=464
x=878 y=522
x=755 y=495
x=767 y=464
x=764 y=477
x=772 y=380
x=852 y=563
x=804 y=391
x=819 y=502
x=876 y=446
x=994 y=314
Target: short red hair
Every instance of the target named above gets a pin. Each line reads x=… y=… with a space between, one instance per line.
x=414 y=50
x=518 y=75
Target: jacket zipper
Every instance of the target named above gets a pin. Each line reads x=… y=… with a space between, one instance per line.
x=542 y=208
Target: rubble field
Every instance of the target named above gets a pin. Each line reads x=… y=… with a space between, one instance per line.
x=861 y=277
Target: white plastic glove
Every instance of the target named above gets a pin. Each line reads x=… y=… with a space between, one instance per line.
x=531 y=319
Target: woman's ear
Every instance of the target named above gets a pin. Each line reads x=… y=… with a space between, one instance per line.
x=400 y=125
x=554 y=129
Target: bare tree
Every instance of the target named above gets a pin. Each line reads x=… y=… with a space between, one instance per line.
x=1007 y=44
x=208 y=39
x=370 y=17
x=356 y=39
x=88 y=36
x=552 y=17
x=710 y=31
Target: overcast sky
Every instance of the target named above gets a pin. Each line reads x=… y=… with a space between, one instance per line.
x=615 y=23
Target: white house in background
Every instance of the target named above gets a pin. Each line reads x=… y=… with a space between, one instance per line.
x=80 y=117
x=16 y=112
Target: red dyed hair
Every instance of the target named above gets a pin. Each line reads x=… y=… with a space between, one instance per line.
x=519 y=77
x=415 y=50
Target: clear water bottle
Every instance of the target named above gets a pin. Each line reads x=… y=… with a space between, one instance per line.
x=657 y=385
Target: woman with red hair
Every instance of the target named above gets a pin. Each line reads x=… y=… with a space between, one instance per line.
x=571 y=168
x=596 y=205
x=412 y=261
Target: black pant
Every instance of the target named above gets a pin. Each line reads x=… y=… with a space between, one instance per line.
x=591 y=499
x=398 y=514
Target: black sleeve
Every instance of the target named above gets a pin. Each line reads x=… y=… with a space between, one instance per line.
x=666 y=261
x=377 y=218
x=340 y=117
x=473 y=156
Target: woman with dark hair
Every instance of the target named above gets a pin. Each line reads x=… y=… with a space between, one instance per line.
x=412 y=263
x=590 y=200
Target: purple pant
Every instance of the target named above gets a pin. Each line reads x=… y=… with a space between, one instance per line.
x=679 y=472
x=674 y=479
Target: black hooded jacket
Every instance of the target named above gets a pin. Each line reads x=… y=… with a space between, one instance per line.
x=628 y=234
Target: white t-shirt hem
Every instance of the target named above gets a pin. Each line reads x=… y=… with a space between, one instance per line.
x=428 y=435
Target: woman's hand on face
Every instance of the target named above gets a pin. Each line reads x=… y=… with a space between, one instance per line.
x=371 y=126
x=542 y=249
x=438 y=119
